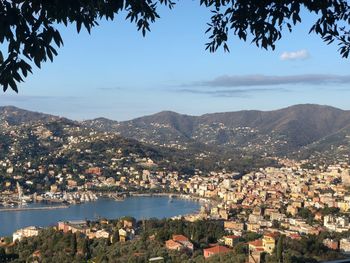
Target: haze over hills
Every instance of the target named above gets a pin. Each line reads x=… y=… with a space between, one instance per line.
x=278 y=132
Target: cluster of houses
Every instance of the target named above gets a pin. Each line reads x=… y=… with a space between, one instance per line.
x=342 y=244
x=266 y=244
x=30 y=231
x=125 y=233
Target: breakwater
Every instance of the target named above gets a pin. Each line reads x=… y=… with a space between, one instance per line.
x=33 y=208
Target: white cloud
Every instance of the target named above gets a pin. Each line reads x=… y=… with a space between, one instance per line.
x=271 y=80
x=295 y=55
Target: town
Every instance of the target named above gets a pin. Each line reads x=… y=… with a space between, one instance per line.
x=254 y=207
x=287 y=201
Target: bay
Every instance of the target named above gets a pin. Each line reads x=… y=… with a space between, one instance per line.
x=139 y=207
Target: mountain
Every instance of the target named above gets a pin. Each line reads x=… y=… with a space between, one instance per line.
x=279 y=131
x=41 y=139
x=305 y=129
x=10 y=116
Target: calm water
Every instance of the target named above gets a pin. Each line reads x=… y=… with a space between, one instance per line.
x=138 y=207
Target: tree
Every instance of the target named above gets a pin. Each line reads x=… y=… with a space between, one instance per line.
x=2 y=255
x=28 y=28
x=279 y=249
x=73 y=244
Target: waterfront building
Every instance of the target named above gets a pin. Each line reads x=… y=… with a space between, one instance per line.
x=29 y=231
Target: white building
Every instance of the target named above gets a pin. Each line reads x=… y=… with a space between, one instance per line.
x=29 y=231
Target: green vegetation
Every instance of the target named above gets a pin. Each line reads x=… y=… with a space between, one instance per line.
x=55 y=246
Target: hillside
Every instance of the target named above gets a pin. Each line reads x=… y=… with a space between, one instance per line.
x=302 y=129
x=49 y=140
x=278 y=132
x=10 y=115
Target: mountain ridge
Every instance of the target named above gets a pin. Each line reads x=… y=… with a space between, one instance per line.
x=277 y=132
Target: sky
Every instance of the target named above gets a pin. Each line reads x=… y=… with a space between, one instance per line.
x=118 y=74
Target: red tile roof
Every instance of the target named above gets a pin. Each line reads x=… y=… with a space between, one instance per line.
x=256 y=243
x=274 y=235
x=180 y=238
x=171 y=244
x=217 y=249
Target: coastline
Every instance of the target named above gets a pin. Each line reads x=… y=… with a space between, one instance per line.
x=137 y=207
x=130 y=194
x=173 y=195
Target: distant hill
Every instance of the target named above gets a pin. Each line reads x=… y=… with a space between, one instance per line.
x=10 y=115
x=48 y=140
x=280 y=131
x=302 y=128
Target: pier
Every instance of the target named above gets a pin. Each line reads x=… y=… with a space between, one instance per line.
x=33 y=208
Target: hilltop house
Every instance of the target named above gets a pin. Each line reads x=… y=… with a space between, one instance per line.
x=179 y=242
x=29 y=231
x=211 y=251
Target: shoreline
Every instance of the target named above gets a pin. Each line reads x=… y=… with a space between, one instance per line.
x=169 y=195
x=173 y=195
x=17 y=218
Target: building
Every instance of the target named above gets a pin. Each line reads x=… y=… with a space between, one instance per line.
x=265 y=245
x=269 y=243
x=255 y=251
x=231 y=240
x=179 y=242
x=211 y=251
x=73 y=226
x=331 y=243
x=233 y=226
x=344 y=245
x=173 y=245
x=129 y=222
x=94 y=170
x=126 y=234
x=29 y=231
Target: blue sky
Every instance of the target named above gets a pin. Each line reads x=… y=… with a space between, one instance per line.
x=118 y=74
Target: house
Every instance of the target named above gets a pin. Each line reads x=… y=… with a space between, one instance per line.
x=231 y=240
x=126 y=234
x=331 y=243
x=255 y=251
x=94 y=170
x=344 y=245
x=179 y=242
x=233 y=226
x=102 y=234
x=184 y=241
x=29 y=231
x=256 y=245
x=269 y=242
x=211 y=251
x=173 y=245
x=73 y=226
x=265 y=245
x=129 y=222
